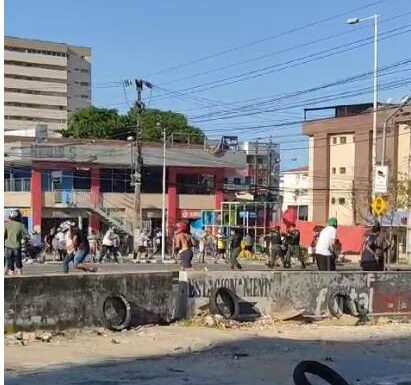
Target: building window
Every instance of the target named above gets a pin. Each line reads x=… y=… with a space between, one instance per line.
x=303 y=213
x=333 y=201
x=341 y=201
x=81 y=180
x=84 y=71
x=342 y=170
x=333 y=170
x=152 y=178
x=237 y=181
x=259 y=160
x=343 y=140
x=201 y=184
x=334 y=140
x=86 y=84
x=247 y=180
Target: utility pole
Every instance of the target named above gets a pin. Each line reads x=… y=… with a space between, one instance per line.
x=256 y=169
x=137 y=166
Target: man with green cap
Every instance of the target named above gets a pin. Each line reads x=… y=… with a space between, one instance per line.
x=325 y=248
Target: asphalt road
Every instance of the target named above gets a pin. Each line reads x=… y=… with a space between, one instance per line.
x=50 y=268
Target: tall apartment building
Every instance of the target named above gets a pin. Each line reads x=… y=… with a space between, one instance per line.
x=340 y=160
x=44 y=82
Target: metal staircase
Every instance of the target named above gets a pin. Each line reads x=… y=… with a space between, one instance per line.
x=108 y=211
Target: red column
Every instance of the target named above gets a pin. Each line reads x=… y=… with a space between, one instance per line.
x=171 y=200
x=36 y=196
x=95 y=196
x=219 y=188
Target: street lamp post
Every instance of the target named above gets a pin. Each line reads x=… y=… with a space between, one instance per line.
x=356 y=20
x=163 y=203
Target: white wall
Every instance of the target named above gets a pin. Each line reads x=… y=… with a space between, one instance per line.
x=295 y=187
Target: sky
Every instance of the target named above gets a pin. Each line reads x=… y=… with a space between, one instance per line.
x=233 y=67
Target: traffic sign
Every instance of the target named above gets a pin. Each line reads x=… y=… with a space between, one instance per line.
x=379 y=206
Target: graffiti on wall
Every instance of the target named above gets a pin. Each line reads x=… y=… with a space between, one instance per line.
x=242 y=286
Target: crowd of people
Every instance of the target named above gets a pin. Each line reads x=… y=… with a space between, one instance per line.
x=68 y=244
x=281 y=248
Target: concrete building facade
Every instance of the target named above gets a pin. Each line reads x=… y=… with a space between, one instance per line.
x=89 y=181
x=340 y=161
x=44 y=82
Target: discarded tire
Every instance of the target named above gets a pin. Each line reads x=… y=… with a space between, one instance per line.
x=318 y=369
x=224 y=302
x=116 y=312
x=337 y=297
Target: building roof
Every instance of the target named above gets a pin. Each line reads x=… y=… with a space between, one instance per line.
x=295 y=170
x=113 y=153
x=44 y=45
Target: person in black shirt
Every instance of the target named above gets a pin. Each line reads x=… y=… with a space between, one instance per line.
x=235 y=248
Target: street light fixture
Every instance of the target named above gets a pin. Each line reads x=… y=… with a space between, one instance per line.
x=356 y=20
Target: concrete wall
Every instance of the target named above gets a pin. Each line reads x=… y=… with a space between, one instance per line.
x=62 y=301
x=277 y=292
x=17 y=199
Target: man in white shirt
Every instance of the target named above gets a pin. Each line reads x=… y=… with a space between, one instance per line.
x=325 y=247
x=107 y=249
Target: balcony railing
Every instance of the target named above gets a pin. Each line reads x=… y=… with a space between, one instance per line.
x=17 y=185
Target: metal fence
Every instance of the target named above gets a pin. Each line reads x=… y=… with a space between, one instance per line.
x=17 y=185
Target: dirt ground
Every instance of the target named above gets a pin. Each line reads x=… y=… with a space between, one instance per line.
x=178 y=354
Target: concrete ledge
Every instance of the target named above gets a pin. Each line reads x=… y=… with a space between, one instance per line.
x=63 y=301
x=306 y=292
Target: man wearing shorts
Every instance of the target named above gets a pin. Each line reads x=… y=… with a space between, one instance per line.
x=14 y=232
x=184 y=246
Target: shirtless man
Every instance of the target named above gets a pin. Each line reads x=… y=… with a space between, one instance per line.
x=184 y=246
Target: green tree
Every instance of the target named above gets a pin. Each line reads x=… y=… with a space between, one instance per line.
x=102 y=123
x=96 y=123
x=152 y=121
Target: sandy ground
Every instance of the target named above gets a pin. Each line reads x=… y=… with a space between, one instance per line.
x=176 y=354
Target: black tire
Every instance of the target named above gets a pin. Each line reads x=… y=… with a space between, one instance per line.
x=118 y=304
x=318 y=369
x=347 y=307
x=224 y=302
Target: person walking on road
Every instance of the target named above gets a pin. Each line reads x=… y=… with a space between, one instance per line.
x=274 y=247
x=116 y=245
x=235 y=249
x=107 y=248
x=221 y=247
x=293 y=249
x=80 y=247
x=14 y=231
x=374 y=250
x=184 y=246
x=326 y=247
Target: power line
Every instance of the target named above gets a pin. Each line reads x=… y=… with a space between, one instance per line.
x=298 y=46
x=253 y=74
x=258 y=41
